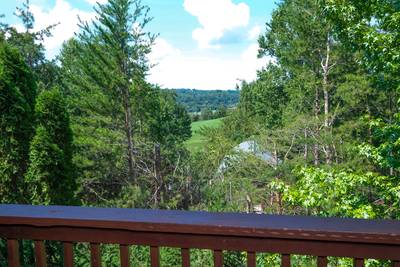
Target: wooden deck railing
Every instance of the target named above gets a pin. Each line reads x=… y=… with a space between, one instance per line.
x=286 y=235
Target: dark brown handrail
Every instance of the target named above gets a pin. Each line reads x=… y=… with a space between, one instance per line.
x=321 y=237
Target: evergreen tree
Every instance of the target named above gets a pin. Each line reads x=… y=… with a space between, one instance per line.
x=99 y=145
x=115 y=60
x=160 y=127
x=17 y=100
x=50 y=176
x=30 y=44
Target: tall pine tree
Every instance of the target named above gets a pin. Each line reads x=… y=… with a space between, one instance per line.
x=116 y=60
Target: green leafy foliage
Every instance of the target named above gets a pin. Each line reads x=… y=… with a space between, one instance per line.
x=51 y=177
x=344 y=194
x=316 y=104
x=170 y=124
x=17 y=100
x=373 y=27
x=265 y=99
x=385 y=151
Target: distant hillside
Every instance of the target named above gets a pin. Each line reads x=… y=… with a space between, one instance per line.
x=196 y=100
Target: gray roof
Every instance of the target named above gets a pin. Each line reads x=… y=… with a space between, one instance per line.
x=247 y=147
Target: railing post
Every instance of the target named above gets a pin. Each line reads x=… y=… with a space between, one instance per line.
x=124 y=255
x=95 y=255
x=251 y=259
x=285 y=260
x=155 y=256
x=13 y=253
x=68 y=254
x=322 y=261
x=40 y=254
x=218 y=258
x=358 y=262
x=185 y=253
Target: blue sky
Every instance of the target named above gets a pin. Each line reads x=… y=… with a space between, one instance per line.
x=204 y=44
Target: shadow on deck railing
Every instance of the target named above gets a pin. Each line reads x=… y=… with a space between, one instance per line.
x=286 y=235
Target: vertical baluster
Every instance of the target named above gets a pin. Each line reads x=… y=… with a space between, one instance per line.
x=218 y=258
x=40 y=254
x=155 y=256
x=251 y=259
x=395 y=263
x=68 y=254
x=95 y=255
x=13 y=253
x=124 y=255
x=185 y=257
x=322 y=261
x=358 y=262
x=285 y=260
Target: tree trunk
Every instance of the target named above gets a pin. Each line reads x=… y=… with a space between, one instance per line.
x=316 y=114
x=275 y=156
x=129 y=135
x=249 y=205
x=325 y=87
x=159 y=185
x=305 y=145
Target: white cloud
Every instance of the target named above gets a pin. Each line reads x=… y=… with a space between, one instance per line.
x=92 y=2
x=19 y=27
x=62 y=13
x=254 y=32
x=215 y=18
x=163 y=50
x=176 y=69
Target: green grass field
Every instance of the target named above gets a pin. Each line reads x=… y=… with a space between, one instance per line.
x=197 y=141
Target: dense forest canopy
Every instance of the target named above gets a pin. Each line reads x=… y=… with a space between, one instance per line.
x=89 y=129
x=198 y=100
